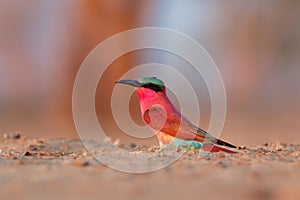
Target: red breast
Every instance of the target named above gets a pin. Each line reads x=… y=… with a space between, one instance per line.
x=149 y=98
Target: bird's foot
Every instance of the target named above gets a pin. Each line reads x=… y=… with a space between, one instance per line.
x=167 y=149
x=162 y=145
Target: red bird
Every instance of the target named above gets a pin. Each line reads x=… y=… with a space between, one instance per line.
x=167 y=122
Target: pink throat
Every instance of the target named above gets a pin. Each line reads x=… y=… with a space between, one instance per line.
x=149 y=98
x=146 y=97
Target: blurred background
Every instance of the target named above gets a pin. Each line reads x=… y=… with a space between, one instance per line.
x=255 y=44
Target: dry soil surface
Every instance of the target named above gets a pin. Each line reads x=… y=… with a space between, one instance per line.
x=64 y=169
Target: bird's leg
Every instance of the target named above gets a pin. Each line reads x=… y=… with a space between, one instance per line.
x=162 y=145
x=166 y=149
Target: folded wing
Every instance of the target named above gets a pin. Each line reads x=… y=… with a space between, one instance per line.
x=178 y=126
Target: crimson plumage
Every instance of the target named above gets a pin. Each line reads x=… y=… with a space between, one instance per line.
x=166 y=121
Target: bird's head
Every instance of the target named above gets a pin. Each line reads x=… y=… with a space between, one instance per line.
x=151 y=83
x=146 y=86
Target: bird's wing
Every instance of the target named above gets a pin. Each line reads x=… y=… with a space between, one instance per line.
x=175 y=125
x=172 y=124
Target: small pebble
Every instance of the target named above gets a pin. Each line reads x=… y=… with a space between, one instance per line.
x=243 y=147
x=27 y=153
x=81 y=163
x=12 y=135
x=152 y=149
x=266 y=144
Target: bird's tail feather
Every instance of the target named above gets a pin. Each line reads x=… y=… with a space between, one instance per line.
x=223 y=143
x=213 y=148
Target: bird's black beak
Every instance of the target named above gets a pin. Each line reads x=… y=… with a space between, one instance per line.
x=133 y=83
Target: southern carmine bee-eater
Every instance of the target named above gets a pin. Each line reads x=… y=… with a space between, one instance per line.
x=167 y=122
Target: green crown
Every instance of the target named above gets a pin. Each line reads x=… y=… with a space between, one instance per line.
x=153 y=80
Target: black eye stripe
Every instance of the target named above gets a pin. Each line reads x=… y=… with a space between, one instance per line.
x=153 y=87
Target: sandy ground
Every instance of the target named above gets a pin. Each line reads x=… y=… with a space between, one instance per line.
x=64 y=169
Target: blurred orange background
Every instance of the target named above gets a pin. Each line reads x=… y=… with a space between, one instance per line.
x=256 y=46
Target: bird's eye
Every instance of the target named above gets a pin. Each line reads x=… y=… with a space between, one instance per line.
x=153 y=87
